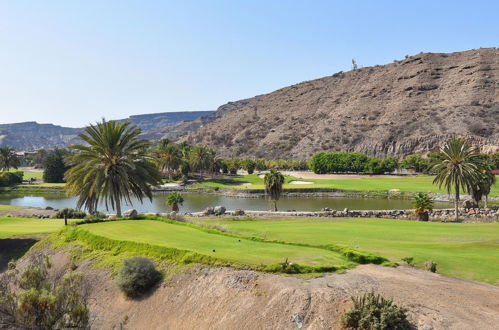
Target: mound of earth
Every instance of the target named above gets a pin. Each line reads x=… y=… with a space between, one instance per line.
x=224 y=298
x=408 y=106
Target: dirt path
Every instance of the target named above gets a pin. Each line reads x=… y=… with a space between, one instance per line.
x=224 y=298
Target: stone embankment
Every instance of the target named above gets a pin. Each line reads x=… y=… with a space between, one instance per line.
x=489 y=214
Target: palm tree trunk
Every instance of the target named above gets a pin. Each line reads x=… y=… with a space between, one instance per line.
x=118 y=208
x=275 y=206
x=486 y=202
x=456 y=203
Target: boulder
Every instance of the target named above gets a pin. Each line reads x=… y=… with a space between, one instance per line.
x=469 y=204
x=238 y=212
x=209 y=211
x=130 y=213
x=219 y=210
x=430 y=266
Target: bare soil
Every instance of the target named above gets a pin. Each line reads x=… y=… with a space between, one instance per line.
x=224 y=298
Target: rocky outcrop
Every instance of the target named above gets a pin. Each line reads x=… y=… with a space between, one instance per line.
x=408 y=106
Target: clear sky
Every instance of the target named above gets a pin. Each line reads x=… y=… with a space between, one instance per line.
x=73 y=62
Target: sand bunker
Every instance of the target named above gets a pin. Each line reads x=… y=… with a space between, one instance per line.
x=239 y=184
x=169 y=185
x=300 y=182
x=261 y=176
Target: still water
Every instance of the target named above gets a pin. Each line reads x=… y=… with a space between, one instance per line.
x=198 y=202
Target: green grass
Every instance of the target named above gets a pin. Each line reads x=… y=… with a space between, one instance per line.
x=11 y=207
x=464 y=250
x=233 y=249
x=420 y=183
x=29 y=174
x=10 y=227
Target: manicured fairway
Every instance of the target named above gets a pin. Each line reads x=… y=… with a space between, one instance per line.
x=227 y=248
x=10 y=227
x=422 y=183
x=464 y=250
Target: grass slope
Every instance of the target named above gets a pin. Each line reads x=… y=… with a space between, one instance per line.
x=421 y=183
x=464 y=250
x=228 y=248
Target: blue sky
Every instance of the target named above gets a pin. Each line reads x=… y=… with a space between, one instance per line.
x=73 y=62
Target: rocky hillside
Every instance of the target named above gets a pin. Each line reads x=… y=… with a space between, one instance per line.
x=31 y=135
x=396 y=109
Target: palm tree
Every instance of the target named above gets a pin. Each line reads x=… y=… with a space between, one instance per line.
x=8 y=159
x=112 y=167
x=174 y=200
x=458 y=169
x=201 y=158
x=482 y=187
x=169 y=157
x=273 y=185
x=423 y=204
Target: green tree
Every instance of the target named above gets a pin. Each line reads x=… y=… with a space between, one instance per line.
x=416 y=163
x=112 y=167
x=8 y=159
x=459 y=169
x=249 y=165
x=273 y=185
x=174 y=200
x=54 y=166
x=423 y=204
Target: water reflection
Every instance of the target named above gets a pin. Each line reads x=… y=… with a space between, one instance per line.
x=198 y=202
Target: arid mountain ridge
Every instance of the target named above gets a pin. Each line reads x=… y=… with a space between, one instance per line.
x=408 y=106
x=32 y=135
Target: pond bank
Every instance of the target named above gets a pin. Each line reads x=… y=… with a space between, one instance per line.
x=446 y=215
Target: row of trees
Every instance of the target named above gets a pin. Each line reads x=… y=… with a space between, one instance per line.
x=350 y=162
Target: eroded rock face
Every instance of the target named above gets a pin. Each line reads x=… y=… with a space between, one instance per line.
x=225 y=298
x=410 y=106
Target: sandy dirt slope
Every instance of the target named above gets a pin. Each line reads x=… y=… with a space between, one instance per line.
x=224 y=298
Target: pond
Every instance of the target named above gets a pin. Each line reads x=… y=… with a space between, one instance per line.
x=198 y=202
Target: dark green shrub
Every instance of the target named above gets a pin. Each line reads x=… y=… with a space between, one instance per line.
x=372 y=311
x=70 y=213
x=137 y=275
x=8 y=179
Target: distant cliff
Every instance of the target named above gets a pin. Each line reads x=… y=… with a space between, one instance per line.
x=31 y=135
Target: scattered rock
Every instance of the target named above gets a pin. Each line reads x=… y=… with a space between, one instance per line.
x=430 y=266
x=209 y=211
x=469 y=204
x=219 y=210
x=298 y=320
x=238 y=212
x=130 y=213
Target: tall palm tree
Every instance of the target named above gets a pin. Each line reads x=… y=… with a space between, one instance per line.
x=112 y=167
x=458 y=170
x=8 y=159
x=273 y=185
